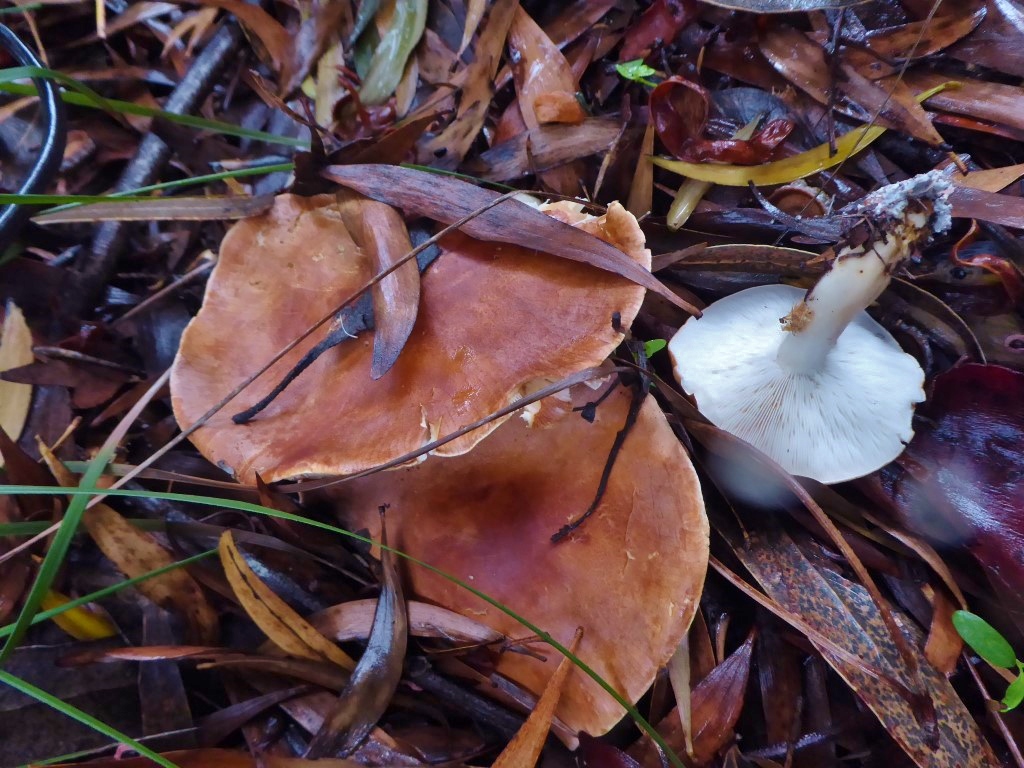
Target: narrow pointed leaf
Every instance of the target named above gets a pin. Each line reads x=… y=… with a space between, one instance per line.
x=448 y=200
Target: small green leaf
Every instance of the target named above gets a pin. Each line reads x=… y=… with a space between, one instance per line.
x=654 y=345
x=984 y=639
x=1015 y=692
x=636 y=71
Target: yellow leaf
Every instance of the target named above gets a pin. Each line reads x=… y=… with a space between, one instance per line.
x=15 y=351
x=788 y=169
x=81 y=623
x=285 y=628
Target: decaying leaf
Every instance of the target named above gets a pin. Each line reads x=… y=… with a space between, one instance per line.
x=716 y=704
x=83 y=622
x=931 y=724
x=285 y=628
x=136 y=552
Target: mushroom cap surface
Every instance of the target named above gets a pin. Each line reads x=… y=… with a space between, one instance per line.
x=493 y=319
x=631 y=575
x=844 y=422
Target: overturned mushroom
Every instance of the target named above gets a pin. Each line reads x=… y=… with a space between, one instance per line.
x=493 y=320
x=810 y=379
x=631 y=577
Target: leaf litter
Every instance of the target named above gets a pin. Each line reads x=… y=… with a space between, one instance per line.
x=814 y=641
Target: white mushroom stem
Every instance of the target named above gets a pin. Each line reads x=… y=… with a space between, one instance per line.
x=858 y=276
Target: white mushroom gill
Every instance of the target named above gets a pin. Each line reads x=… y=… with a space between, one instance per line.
x=809 y=378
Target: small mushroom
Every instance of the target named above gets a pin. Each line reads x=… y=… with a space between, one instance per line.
x=493 y=321
x=808 y=377
x=630 y=576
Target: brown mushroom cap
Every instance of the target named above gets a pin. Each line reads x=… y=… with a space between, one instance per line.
x=493 y=319
x=631 y=575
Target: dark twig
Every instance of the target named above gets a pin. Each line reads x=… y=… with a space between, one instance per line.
x=95 y=265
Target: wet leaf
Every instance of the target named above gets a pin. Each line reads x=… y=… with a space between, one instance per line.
x=285 y=628
x=15 y=352
x=679 y=110
x=405 y=22
x=474 y=81
x=524 y=749
x=716 y=703
x=136 y=552
x=984 y=639
x=931 y=724
x=376 y=676
x=81 y=623
x=380 y=231
x=597 y=754
x=448 y=200
x=788 y=169
x=659 y=23
x=783 y=6
x=948 y=488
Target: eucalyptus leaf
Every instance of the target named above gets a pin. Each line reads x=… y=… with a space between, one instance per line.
x=985 y=640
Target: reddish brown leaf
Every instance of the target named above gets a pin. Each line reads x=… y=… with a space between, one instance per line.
x=716 y=703
x=380 y=231
x=660 y=23
x=679 y=111
x=448 y=200
x=960 y=480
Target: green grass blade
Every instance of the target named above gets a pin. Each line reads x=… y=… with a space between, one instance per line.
x=70 y=201
x=84 y=96
x=83 y=717
x=108 y=591
x=257 y=509
x=58 y=549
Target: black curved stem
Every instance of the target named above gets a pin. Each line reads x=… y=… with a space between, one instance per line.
x=13 y=216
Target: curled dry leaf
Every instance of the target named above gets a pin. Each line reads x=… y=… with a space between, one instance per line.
x=630 y=575
x=278 y=621
x=679 y=110
x=136 y=552
x=280 y=273
x=15 y=352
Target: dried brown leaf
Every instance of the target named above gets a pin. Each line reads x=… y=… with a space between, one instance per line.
x=525 y=747
x=448 y=200
x=352 y=621
x=716 y=703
